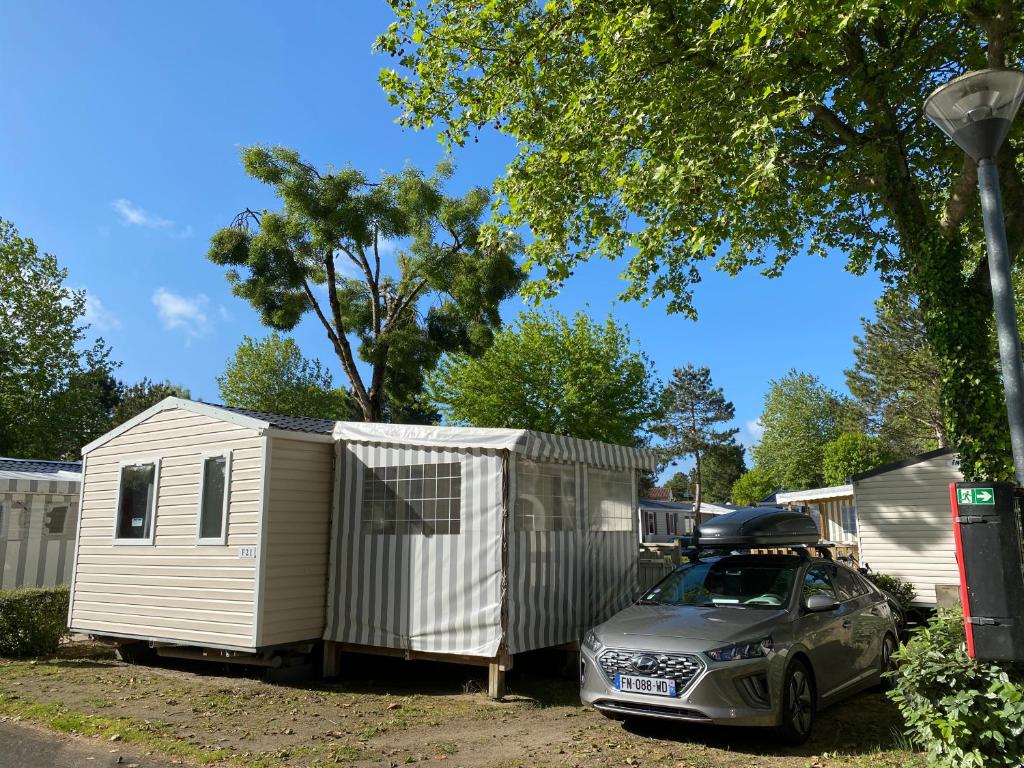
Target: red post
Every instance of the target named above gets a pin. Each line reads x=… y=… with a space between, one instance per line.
x=965 y=602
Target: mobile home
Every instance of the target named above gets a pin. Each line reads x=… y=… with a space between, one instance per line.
x=38 y=518
x=205 y=526
x=905 y=523
x=219 y=528
x=833 y=511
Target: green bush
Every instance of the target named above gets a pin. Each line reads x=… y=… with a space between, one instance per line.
x=903 y=591
x=32 y=621
x=962 y=712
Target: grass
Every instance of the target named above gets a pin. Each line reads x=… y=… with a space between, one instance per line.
x=397 y=713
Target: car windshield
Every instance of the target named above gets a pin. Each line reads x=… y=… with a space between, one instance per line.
x=724 y=582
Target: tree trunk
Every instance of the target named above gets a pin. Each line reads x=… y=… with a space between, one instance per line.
x=696 y=487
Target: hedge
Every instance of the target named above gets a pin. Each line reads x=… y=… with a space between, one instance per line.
x=32 y=621
x=902 y=591
x=963 y=713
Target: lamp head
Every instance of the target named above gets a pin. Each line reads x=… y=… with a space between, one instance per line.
x=976 y=109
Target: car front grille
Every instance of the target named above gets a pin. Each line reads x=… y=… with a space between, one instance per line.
x=681 y=667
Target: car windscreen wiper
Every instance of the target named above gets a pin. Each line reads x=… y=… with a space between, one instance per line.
x=646 y=601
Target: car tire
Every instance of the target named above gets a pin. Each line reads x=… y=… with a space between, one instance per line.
x=886 y=661
x=799 y=705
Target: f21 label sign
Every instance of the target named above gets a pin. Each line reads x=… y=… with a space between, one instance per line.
x=247 y=553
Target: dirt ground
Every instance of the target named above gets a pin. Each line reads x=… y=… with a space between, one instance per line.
x=386 y=712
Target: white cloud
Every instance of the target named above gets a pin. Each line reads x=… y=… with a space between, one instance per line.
x=753 y=431
x=98 y=316
x=183 y=313
x=132 y=215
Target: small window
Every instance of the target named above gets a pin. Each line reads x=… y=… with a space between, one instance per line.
x=610 y=500
x=213 y=498
x=423 y=499
x=56 y=518
x=136 y=502
x=545 y=496
x=670 y=524
x=652 y=523
x=849 y=517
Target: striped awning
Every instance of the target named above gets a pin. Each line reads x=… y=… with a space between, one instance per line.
x=534 y=445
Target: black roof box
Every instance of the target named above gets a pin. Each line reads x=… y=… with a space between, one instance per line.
x=757 y=527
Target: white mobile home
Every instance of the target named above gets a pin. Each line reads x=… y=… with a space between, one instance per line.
x=38 y=517
x=832 y=509
x=905 y=523
x=205 y=526
x=663 y=522
x=211 y=527
x=477 y=544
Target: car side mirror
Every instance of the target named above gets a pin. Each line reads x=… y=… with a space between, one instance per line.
x=819 y=602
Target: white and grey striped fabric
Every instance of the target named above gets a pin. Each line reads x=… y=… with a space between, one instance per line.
x=438 y=593
x=535 y=445
x=447 y=593
x=31 y=556
x=563 y=582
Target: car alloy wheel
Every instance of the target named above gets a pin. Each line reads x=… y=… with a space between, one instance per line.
x=801 y=706
x=798 y=704
x=888 y=664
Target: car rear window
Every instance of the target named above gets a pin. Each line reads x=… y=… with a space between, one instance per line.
x=747 y=584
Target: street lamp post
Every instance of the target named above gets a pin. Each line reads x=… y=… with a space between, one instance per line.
x=975 y=110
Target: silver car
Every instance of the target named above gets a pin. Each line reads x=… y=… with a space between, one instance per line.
x=755 y=640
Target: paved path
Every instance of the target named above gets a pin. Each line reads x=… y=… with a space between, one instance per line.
x=23 y=746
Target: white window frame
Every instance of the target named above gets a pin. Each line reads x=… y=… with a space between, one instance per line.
x=139 y=462
x=214 y=541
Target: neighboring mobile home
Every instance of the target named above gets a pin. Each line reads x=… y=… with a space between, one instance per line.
x=905 y=523
x=38 y=517
x=206 y=526
x=832 y=509
x=663 y=522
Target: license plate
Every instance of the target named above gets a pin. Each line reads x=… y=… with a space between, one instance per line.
x=655 y=686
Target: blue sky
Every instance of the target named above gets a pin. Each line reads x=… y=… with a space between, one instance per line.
x=120 y=126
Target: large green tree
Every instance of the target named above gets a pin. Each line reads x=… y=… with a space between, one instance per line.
x=324 y=253
x=271 y=375
x=800 y=417
x=692 y=418
x=56 y=391
x=546 y=372
x=896 y=377
x=752 y=486
x=712 y=135
x=850 y=453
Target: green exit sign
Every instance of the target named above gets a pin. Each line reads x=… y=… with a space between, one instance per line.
x=976 y=496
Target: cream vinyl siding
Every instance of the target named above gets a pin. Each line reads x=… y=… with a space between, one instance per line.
x=172 y=589
x=298 y=520
x=906 y=526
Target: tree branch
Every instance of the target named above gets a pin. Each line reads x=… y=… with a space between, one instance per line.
x=961 y=197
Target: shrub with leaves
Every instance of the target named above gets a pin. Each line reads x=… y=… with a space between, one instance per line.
x=32 y=621
x=903 y=591
x=962 y=712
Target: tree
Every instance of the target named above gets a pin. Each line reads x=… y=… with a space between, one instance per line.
x=679 y=484
x=850 y=453
x=896 y=377
x=721 y=467
x=323 y=253
x=545 y=372
x=133 y=399
x=813 y=140
x=55 y=392
x=752 y=486
x=692 y=412
x=271 y=375
x=800 y=416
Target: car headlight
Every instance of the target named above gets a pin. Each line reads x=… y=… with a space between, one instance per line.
x=591 y=642
x=755 y=649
